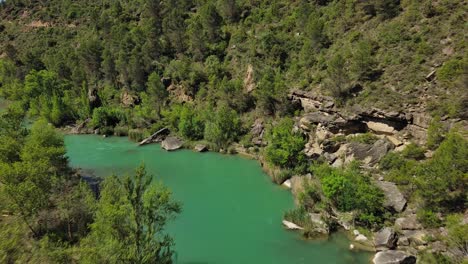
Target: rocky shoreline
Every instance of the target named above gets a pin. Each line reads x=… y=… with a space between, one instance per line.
x=331 y=134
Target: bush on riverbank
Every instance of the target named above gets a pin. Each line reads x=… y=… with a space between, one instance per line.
x=350 y=190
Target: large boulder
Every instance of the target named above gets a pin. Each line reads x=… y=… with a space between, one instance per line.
x=311 y=101
x=370 y=154
x=416 y=237
x=257 y=131
x=409 y=222
x=200 y=148
x=171 y=143
x=394 y=199
x=319 y=225
x=386 y=238
x=381 y=128
x=393 y=257
x=128 y=99
x=291 y=225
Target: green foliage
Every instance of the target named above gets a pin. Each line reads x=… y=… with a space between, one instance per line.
x=350 y=190
x=435 y=133
x=191 y=125
x=47 y=97
x=413 y=151
x=285 y=146
x=130 y=221
x=223 y=128
x=458 y=236
x=105 y=117
x=429 y=219
x=443 y=179
x=157 y=92
x=366 y=138
x=451 y=69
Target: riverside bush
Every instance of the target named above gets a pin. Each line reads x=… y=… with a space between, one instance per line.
x=285 y=148
x=349 y=190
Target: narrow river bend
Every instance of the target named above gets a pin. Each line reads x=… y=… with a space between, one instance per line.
x=231 y=211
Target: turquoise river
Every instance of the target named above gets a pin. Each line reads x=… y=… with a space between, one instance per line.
x=232 y=212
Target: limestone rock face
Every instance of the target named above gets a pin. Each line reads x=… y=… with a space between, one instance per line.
x=416 y=237
x=249 y=82
x=171 y=143
x=128 y=99
x=257 y=131
x=320 y=226
x=393 y=257
x=201 y=148
x=381 y=128
x=386 y=238
x=370 y=154
x=409 y=222
x=394 y=199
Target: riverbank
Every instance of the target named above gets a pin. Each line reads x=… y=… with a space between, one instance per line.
x=275 y=174
x=232 y=211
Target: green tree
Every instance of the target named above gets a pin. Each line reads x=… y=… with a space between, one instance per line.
x=157 y=92
x=442 y=181
x=223 y=128
x=338 y=78
x=190 y=125
x=129 y=223
x=285 y=145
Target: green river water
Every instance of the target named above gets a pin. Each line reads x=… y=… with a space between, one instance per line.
x=231 y=211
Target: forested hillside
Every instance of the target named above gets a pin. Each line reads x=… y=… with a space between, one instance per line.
x=351 y=102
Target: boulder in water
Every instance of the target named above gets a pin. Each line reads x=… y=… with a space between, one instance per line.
x=171 y=143
x=201 y=148
x=291 y=225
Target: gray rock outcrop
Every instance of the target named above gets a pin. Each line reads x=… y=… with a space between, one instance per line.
x=370 y=154
x=200 y=148
x=409 y=222
x=394 y=199
x=386 y=238
x=171 y=143
x=394 y=257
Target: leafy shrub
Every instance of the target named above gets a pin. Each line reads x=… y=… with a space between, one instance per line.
x=435 y=133
x=105 y=116
x=428 y=218
x=392 y=160
x=223 y=128
x=121 y=131
x=136 y=135
x=366 y=138
x=451 y=69
x=285 y=146
x=413 y=151
x=442 y=181
x=190 y=125
x=350 y=190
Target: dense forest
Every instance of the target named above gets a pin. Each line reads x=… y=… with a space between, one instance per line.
x=208 y=71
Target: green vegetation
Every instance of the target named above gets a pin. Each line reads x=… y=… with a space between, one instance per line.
x=50 y=216
x=285 y=145
x=64 y=61
x=206 y=70
x=349 y=190
x=440 y=181
x=129 y=220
